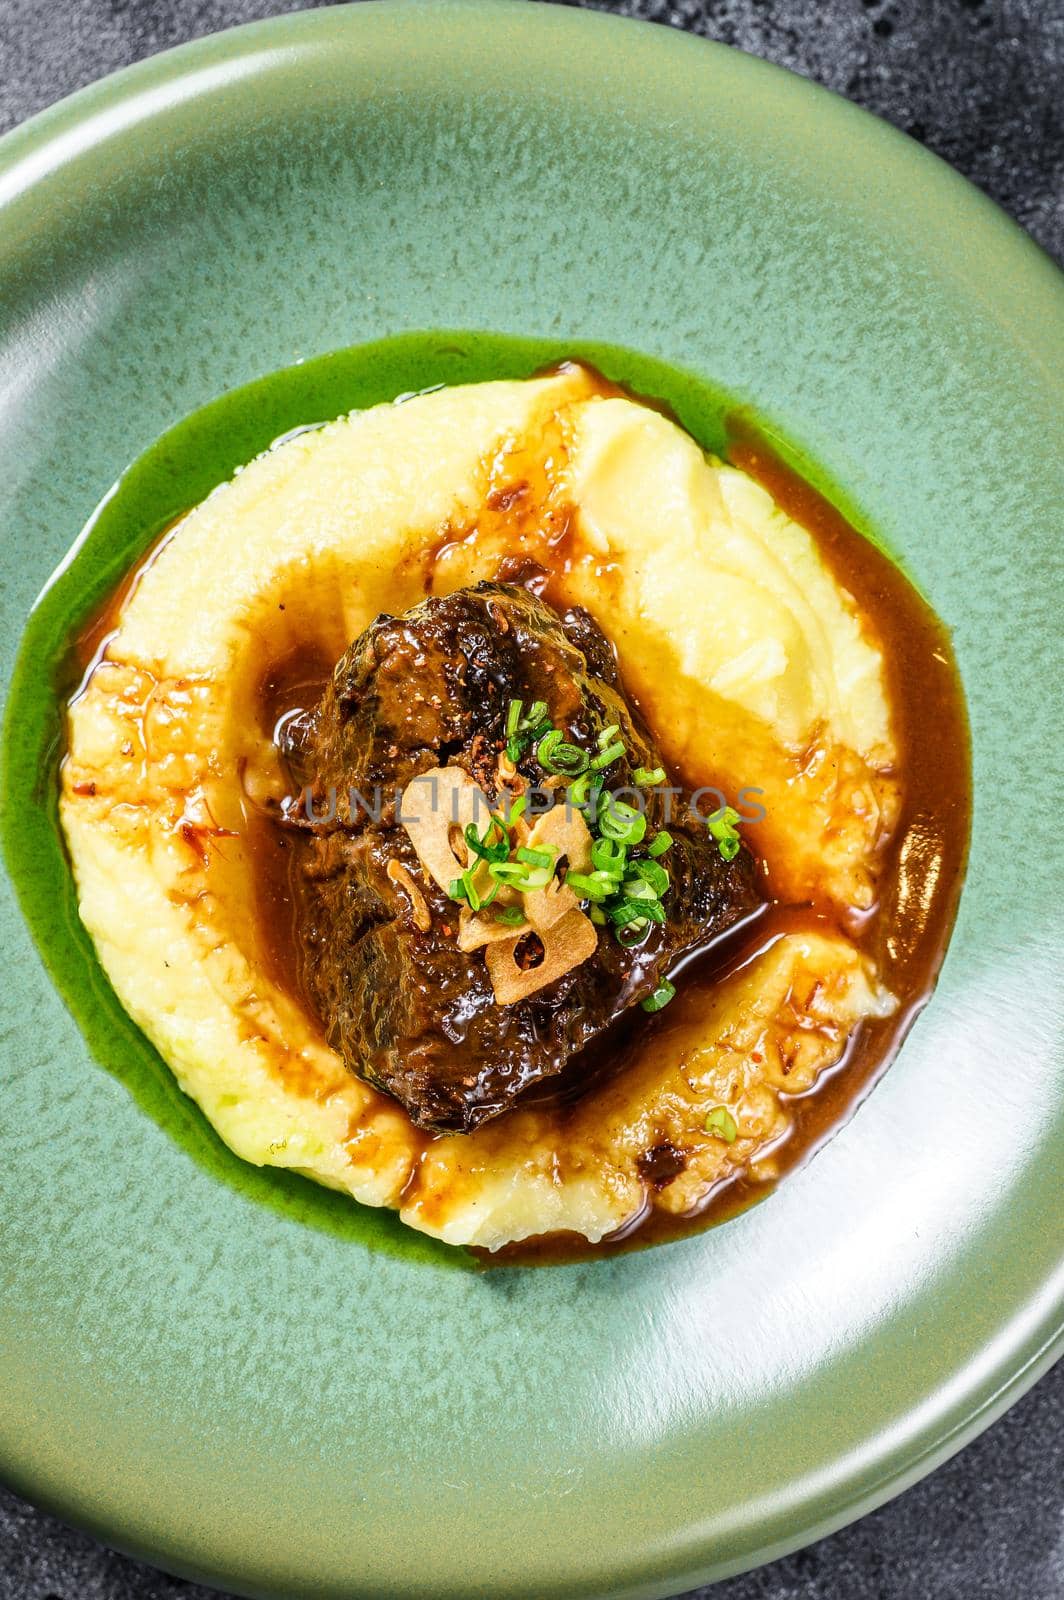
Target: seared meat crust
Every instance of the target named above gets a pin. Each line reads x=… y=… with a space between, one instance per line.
x=408 y=1009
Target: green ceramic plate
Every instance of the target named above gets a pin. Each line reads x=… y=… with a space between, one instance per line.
x=240 y=1393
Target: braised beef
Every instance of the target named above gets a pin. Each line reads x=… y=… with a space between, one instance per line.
x=408 y=1010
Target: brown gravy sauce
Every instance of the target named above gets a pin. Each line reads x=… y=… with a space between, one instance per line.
x=905 y=933
x=289 y=686
x=89 y=645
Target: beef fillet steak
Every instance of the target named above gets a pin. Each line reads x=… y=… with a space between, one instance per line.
x=409 y=1010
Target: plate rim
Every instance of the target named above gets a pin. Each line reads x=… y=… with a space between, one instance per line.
x=36 y=150
x=27 y=139
x=889 y=1487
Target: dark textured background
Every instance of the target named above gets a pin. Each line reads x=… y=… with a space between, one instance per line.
x=981 y=82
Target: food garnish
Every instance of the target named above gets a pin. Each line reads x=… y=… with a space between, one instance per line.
x=722 y=1124
x=657 y=1001
x=722 y=826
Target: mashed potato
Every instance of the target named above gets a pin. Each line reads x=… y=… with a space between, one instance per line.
x=751 y=663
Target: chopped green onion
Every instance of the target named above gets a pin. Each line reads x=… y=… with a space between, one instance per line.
x=555 y=755
x=570 y=760
x=616 y=891
x=522 y=730
x=464 y=888
x=652 y=909
x=607 y=756
x=720 y=1121
x=584 y=791
x=520 y=875
x=576 y=794
x=536 y=858
x=633 y=909
x=722 y=826
x=597 y=886
x=497 y=851
x=473 y=895
x=547 y=745
x=652 y=874
x=608 y=856
x=513 y=872
x=509 y=815
x=722 y=822
x=538 y=878
x=622 y=822
x=661 y=996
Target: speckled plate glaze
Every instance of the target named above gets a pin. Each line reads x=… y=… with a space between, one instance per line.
x=240 y=1396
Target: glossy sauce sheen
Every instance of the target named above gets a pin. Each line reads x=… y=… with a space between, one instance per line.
x=905 y=933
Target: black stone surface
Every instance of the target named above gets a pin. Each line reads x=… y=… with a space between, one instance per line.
x=981 y=82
